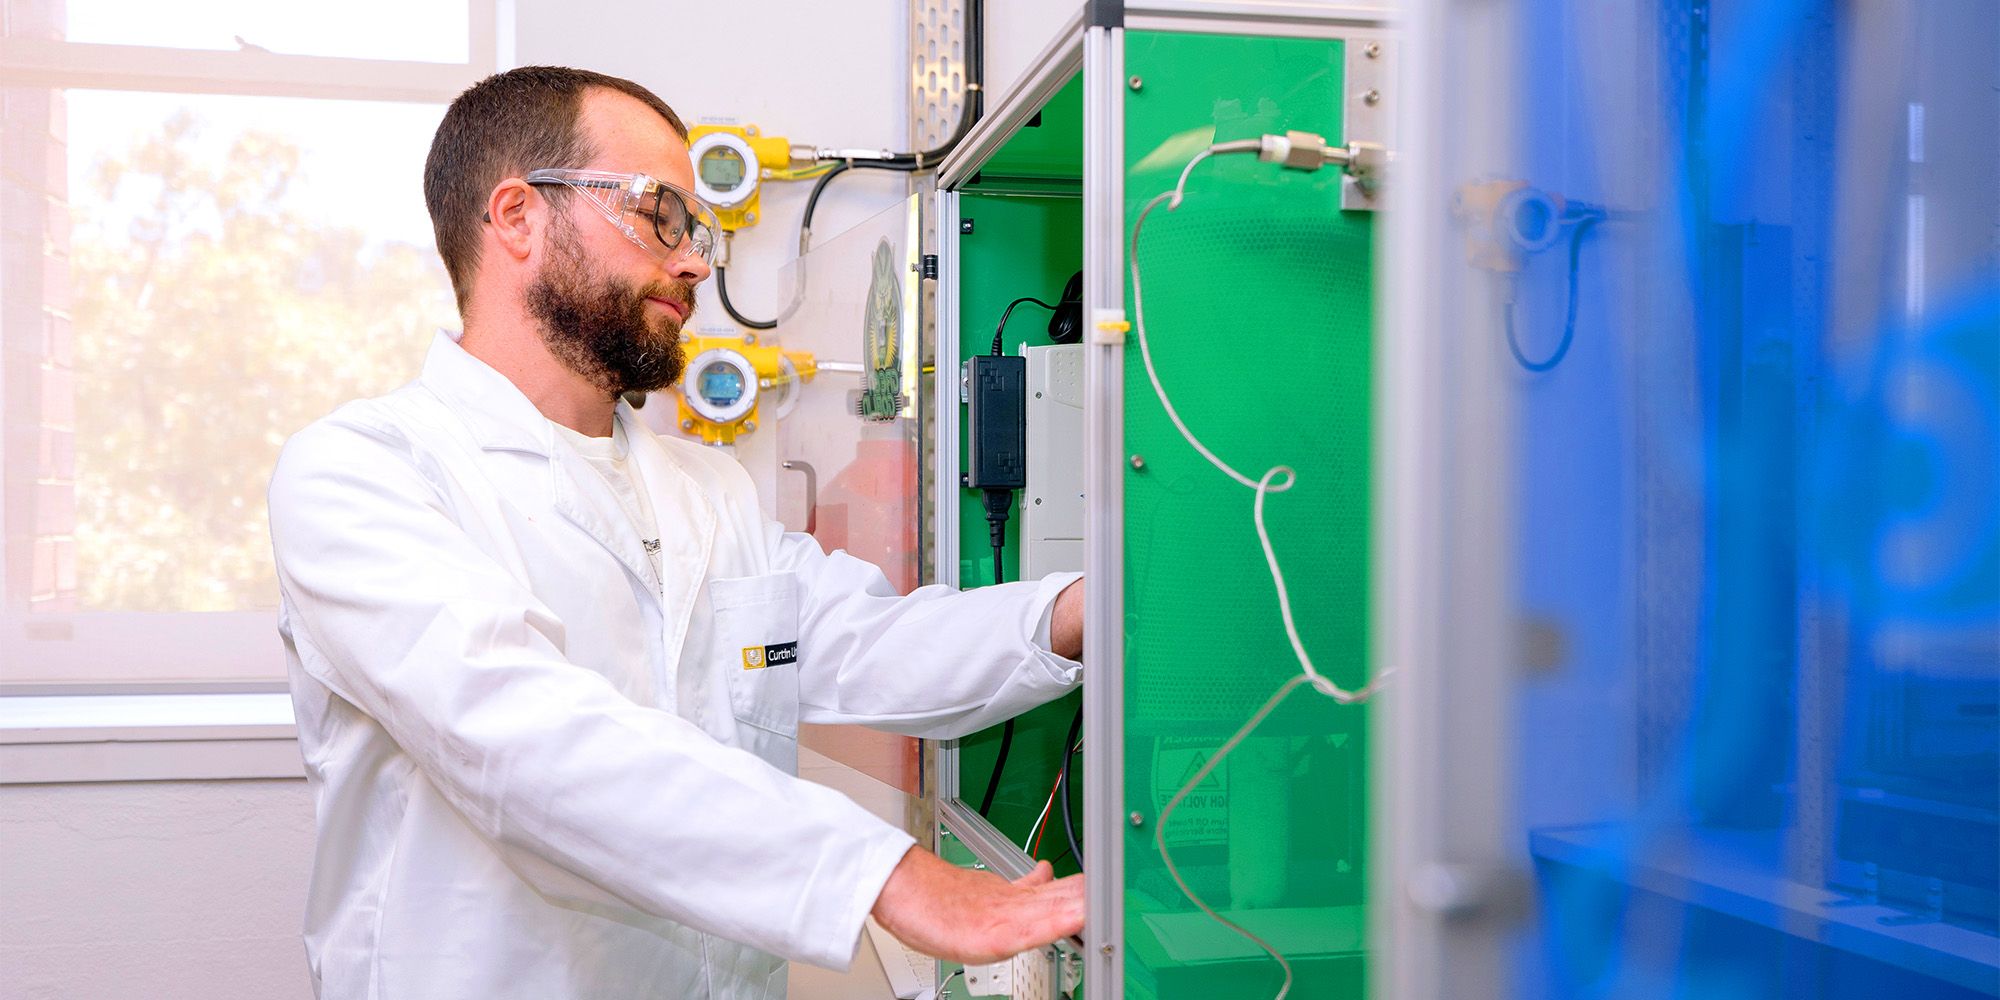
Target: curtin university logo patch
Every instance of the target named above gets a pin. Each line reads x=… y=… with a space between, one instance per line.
x=775 y=655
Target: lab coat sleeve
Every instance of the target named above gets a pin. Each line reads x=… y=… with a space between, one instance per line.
x=602 y=804
x=937 y=663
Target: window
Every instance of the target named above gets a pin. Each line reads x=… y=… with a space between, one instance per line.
x=213 y=234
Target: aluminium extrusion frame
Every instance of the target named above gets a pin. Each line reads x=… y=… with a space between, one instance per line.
x=1091 y=42
x=1445 y=890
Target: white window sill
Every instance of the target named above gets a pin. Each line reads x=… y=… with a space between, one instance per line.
x=146 y=737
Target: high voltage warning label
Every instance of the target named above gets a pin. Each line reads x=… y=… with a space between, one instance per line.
x=1203 y=816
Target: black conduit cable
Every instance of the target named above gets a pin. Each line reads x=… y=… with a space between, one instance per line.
x=975 y=108
x=722 y=292
x=1063 y=782
x=805 y=235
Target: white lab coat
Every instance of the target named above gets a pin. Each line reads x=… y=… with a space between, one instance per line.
x=543 y=770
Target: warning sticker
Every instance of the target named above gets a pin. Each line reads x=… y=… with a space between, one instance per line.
x=1203 y=814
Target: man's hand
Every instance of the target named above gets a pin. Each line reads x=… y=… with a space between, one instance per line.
x=1066 y=623
x=976 y=917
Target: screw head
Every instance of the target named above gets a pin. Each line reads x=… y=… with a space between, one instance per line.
x=1137 y=819
x=1135 y=83
x=1373 y=51
x=1107 y=949
x=749 y=217
x=688 y=424
x=1138 y=461
x=1038 y=501
x=749 y=339
x=749 y=426
x=965 y=227
x=1372 y=98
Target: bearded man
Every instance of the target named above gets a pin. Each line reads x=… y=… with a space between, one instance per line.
x=548 y=668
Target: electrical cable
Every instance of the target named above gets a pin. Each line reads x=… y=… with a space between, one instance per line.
x=1263 y=486
x=975 y=107
x=1569 y=319
x=722 y=292
x=1007 y=731
x=993 y=785
x=998 y=330
x=1033 y=843
x=1070 y=745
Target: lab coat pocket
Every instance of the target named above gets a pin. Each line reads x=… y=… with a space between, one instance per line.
x=757 y=639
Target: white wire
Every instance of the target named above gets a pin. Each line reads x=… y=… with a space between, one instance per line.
x=1263 y=485
x=1038 y=820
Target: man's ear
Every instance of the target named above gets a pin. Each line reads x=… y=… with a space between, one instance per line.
x=512 y=215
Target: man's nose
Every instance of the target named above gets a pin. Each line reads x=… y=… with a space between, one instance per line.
x=689 y=267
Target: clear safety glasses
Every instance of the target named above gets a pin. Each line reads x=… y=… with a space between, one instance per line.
x=665 y=220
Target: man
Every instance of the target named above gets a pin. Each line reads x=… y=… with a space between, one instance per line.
x=549 y=668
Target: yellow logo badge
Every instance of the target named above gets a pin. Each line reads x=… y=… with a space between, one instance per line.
x=753 y=657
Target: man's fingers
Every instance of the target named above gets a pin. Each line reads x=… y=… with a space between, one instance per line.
x=1043 y=873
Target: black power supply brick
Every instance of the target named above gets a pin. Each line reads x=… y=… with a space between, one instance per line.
x=996 y=454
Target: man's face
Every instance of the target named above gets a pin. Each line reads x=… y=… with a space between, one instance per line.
x=620 y=335
x=610 y=310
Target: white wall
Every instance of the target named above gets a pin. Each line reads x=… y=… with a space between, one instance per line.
x=154 y=890
x=829 y=74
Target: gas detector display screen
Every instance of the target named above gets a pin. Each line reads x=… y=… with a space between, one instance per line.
x=722 y=168
x=721 y=386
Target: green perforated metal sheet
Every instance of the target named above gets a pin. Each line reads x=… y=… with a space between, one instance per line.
x=1259 y=305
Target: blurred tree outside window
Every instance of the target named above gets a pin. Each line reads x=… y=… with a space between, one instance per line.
x=212 y=233
x=214 y=316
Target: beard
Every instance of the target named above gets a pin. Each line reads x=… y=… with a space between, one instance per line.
x=600 y=328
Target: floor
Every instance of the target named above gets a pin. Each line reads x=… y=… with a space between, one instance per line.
x=865 y=980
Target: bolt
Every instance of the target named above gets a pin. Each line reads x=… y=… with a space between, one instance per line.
x=1138 y=820
x=1372 y=98
x=965 y=227
x=1139 y=462
x=1373 y=51
x=1135 y=83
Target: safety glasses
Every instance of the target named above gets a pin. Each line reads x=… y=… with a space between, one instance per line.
x=665 y=220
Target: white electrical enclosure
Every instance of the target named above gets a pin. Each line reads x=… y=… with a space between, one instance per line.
x=1052 y=502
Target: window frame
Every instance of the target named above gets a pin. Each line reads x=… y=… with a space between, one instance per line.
x=193 y=644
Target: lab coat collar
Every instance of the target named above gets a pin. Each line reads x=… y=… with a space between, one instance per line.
x=495 y=410
x=500 y=417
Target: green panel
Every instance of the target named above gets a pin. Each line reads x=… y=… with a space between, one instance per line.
x=1048 y=147
x=1259 y=309
x=1018 y=245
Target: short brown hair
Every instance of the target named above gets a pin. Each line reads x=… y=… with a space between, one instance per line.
x=510 y=122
